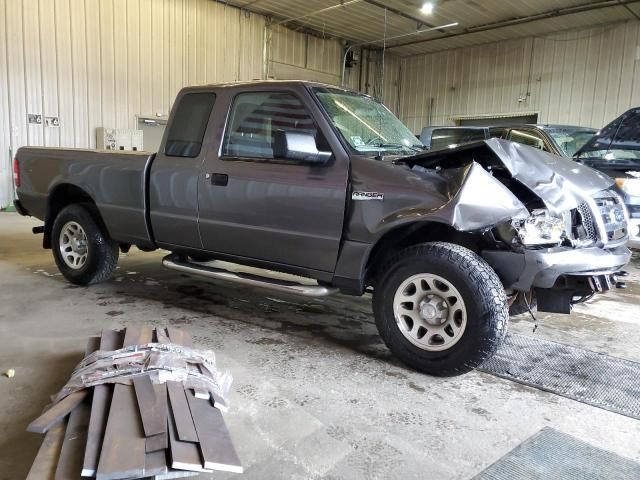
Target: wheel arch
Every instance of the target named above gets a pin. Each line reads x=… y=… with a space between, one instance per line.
x=414 y=233
x=61 y=196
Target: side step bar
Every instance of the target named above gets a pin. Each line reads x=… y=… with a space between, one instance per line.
x=175 y=262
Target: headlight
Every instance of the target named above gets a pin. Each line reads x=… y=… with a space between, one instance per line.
x=630 y=186
x=541 y=228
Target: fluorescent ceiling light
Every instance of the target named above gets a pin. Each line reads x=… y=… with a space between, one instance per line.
x=427 y=8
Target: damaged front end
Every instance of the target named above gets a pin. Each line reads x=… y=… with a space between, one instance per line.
x=559 y=227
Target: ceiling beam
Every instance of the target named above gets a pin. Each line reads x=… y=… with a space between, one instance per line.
x=559 y=12
x=318 y=12
x=395 y=11
x=630 y=10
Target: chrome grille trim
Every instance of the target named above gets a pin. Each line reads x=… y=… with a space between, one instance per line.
x=610 y=217
x=588 y=222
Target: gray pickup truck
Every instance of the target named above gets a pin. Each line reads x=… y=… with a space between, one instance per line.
x=324 y=183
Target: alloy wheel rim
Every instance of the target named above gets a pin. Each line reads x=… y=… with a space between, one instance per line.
x=74 y=247
x=430 y=312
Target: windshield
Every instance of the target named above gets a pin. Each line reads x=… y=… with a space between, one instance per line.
x=570 y=139
x=366 y=124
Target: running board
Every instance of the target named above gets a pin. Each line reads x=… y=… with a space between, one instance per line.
x=175 y=262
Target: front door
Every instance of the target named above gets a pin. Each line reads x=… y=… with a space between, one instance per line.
x=255 y=205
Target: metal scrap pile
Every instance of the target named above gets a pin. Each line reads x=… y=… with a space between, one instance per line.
x=142 y=404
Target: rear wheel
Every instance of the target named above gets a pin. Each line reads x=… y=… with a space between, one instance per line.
x=440 y=308
x=83 y=251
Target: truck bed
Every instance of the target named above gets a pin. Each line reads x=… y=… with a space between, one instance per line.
x=115 y=181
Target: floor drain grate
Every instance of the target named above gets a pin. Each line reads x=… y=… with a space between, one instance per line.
x=552 y=454
x=588 y=377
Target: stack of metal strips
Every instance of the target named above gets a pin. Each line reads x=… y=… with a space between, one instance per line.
x=142 y=430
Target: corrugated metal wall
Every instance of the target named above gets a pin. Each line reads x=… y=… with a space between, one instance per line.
x=295 y=55
x=583 y=77
x=100 y=62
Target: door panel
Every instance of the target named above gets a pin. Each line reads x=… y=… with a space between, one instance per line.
x=173 y=180
x=270 y=209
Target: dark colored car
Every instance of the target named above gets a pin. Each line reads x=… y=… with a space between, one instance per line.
x=311 y=180
x=615 y=150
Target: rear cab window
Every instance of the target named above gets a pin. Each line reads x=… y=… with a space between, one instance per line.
x=189 y=123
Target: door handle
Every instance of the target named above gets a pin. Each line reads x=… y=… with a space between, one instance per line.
x=221 y=179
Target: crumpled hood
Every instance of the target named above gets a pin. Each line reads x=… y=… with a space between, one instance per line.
x=560 y=182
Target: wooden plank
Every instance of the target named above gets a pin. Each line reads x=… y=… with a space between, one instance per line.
x=137 y=335
x=102 y=394
x=183 y=455
x=199 y=392
x=46 y=461
x=218 y=401
x=75 y=437
x=93 y=344
x=123 y=448
x=152 y=403
x=179 y=337
x=176 y=474
x=161 y=335
x=156 y=463
x=57 y=412
x=186 y=431
x=216 y=445
x=157 y=442
x=61 y=409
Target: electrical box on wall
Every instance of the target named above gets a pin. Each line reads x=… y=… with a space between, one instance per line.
x=119 y=139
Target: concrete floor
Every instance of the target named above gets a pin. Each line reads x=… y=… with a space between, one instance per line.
x=315 y=392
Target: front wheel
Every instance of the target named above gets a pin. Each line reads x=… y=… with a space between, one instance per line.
x=440 y=308
x=81 y=247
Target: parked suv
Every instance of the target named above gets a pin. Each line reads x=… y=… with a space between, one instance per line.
x=615 y=150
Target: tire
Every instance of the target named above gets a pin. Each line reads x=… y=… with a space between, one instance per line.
x=518 y=307
x=100 y=254
x=479 y=314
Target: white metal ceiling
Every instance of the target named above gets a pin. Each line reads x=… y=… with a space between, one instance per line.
x=364 y=20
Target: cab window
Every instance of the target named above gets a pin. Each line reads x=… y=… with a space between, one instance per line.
x=254 y=119
x=188 y=125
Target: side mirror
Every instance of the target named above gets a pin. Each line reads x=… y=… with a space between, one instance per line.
x=298 y=146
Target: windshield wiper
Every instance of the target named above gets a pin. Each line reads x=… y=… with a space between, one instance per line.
x=415 y=148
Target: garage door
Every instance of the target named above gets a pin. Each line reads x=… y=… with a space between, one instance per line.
x=498 y=120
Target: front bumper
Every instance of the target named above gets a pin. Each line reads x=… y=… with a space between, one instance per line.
x=542 y=268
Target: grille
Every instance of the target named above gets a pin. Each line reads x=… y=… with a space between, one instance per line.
x=611 y=210
x=587 y=222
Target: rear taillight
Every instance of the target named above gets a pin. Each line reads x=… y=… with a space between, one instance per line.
x=16 y=172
